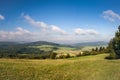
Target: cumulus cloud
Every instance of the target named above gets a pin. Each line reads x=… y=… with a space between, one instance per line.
x=79 y=31
x=45 y=27
x=48 y=32
x=57 y=29
x=21 y=34
x=111 y=15
x=35 y=23
x=2 y=17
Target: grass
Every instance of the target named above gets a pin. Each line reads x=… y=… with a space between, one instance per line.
x=81 y=68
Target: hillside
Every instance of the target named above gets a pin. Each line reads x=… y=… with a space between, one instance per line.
x=3 y=43
x=81 y=68
x=39 y=49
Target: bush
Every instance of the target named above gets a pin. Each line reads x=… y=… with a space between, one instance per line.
x=61 y=56
x=53 y=55
x=67 y=56
x=85 y=53
x=94 y=53
x=79 y=54
x=111 y=56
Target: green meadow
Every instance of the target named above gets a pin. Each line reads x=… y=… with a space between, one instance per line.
x=80 y=68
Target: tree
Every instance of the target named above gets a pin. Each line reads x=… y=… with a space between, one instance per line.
x=53 y=55
x=96 y=49
x=93 y=49
x=68 y=55
x=114 y=45
x=100 y=49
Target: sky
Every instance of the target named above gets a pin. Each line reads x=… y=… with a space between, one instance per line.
x=60 y=21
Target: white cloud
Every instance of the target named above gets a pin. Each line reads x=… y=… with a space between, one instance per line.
x=92 y=32
x=22 y=31
x=48 y=32
x=111 y=15
x=52 y=29
x=19 y=35
x=57 y=29
x=1 y=17
x=35 y=23
x=79 y=31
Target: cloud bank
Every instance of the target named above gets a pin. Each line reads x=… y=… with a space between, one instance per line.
x=48 y=32
x=19 y=34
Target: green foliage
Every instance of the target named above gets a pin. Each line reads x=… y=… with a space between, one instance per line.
x=85 y=53
x=114 y=44
x=111 y=56
x=79 y=54
x=61 y=57
x=96 y=49
x=53 y=55
x=68 y=55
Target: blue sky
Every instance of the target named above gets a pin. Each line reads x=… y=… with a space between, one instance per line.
x=61 y=21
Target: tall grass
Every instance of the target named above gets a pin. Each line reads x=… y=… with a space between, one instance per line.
x=82 y=68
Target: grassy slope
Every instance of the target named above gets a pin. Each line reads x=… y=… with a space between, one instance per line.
x=82 y=68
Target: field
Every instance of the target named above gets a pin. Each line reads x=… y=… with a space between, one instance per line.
x=60 y=51
x=80 y=68
x=89 y=48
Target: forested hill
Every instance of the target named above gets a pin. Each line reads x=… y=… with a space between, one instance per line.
x=39 y=43
x=38 y=50
x=26 y=50
x=8 y=43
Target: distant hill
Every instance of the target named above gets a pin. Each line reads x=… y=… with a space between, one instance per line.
x=3 y=43
x=39 y=43
x=99 y=43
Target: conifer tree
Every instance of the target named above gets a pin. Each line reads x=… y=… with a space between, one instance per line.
x=114 y=45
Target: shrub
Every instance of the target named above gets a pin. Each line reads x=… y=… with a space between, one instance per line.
x=67 y=56
x=53 y=55
x=111 y=56
x=85 y=53
x=61 y=56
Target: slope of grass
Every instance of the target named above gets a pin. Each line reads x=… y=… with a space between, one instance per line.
x=82 y=68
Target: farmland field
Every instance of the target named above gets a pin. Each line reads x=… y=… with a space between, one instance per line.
x=80 y=68
x=60 y=50
x=89 y=48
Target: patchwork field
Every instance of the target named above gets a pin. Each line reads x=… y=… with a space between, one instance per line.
x=59 y=50
x=80 y=68
x=89 y=48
